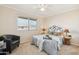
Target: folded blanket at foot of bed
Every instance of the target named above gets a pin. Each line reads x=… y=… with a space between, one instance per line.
x=50 y=47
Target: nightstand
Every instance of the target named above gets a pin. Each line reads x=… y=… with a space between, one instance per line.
x=67 y=40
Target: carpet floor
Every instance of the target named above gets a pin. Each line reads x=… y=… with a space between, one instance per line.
x=28 y=49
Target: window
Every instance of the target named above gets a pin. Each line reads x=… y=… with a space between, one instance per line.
x=32 y=24
x=26 y=24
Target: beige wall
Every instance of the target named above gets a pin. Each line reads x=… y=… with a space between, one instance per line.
x=8 y=25
x=68 y=20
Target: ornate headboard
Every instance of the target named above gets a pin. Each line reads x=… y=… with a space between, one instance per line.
x=55 y=29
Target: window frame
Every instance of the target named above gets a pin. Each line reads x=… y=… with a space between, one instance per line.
x=28 y=26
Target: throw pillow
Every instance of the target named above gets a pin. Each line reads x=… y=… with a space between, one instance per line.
x=1 y=43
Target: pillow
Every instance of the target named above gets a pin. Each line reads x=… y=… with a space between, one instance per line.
x=1 y=43
x=58 y=33
x=1 y=38
x=47 y=37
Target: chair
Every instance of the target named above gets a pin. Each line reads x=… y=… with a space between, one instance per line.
x=12 y=41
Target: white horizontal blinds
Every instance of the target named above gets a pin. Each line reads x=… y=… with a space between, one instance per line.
x=22 y=23
x=32 y=24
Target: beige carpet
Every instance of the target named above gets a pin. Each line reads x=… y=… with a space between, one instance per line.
x=28 y=49
x=69 y=50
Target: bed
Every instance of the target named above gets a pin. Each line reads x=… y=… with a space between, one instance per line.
x=50 y=45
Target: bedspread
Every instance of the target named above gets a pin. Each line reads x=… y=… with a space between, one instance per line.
x=50 y=46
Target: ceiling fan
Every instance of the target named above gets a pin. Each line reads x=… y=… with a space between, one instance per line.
x=42 y=7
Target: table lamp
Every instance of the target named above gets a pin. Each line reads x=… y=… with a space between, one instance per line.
x=43 y=30
x=66 y=31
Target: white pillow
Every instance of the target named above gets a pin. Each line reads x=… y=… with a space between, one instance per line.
x=1 y=43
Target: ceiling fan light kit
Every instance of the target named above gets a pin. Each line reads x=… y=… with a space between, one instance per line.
x=42 y=9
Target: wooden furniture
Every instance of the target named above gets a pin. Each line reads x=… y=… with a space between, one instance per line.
x=67 y=40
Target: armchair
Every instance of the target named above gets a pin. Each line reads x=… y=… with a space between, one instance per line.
x=12 y=41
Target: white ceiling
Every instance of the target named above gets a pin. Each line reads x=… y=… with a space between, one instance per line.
x=51 y=9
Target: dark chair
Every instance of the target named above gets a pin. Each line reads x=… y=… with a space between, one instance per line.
x=12 y=41
x=3 y=51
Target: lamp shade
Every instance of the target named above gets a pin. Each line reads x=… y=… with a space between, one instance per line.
x=66 y=30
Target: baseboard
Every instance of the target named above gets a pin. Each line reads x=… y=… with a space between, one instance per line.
x=74 y=44
x=25 y=42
